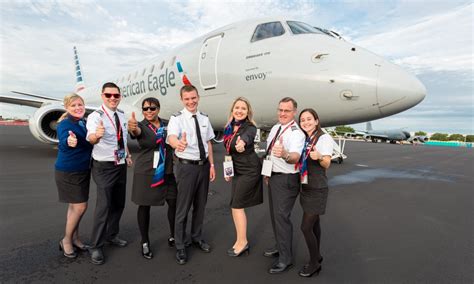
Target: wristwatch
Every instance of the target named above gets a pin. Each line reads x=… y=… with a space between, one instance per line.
x=287 y=157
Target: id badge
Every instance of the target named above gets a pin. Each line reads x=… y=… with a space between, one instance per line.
x=304 y=180
x=228 y=169
x=267 y=167
x=156 y=159
x=120 y=156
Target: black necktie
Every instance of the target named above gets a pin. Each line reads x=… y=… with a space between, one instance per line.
x=202 y=152
x=273 y=141
x=119 y=131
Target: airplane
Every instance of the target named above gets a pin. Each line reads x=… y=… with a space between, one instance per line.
x=391 y=135
x=263 y=60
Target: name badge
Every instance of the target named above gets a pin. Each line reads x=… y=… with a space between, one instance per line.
x=267 y=167
x=156 y=159
x=228 y=166
x=120 y=156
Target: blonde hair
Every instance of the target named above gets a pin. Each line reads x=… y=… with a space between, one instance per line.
x=68 y=99
x=249 y=110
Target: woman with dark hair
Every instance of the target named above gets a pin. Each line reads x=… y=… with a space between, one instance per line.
x=73 y=172
x=247 y=185
x=315 y=159
x=153 y=179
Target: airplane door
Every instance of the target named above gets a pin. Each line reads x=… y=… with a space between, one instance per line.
x=208 y=62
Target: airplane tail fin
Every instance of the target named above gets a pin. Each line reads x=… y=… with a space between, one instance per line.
x=79 y=80
x=368 y=126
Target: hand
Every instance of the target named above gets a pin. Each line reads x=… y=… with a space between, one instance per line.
x=71 y=139
x=228 y=179
x=314 y=154
x=100 y=130
x=212 y=173
x=266 y=179
x=278 y=149
x=132 y=123
x=182 y=143
x=240 y=145
x=129 y=160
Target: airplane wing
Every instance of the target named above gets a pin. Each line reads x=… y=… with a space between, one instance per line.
x=32 y=100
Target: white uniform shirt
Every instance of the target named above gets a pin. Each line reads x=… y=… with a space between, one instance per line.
x=105 y=149
x=293 y=142
x=183 y=121
x=325 y=145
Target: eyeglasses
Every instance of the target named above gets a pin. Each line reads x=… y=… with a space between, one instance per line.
x=285 y=110
x=108 y=96
x=149 y=108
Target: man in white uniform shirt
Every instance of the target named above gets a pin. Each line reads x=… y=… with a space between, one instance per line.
x=190 y=133
x=284 y=145
x=107 y=131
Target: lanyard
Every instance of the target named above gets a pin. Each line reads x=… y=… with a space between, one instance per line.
x=281 y=133
x=117 y=129
x=227 y=147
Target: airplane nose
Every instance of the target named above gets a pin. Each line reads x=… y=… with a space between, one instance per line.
x=397 y=90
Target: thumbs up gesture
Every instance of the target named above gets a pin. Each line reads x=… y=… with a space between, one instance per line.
x=71 y=139
x=240 y=145
x=278 y=149
x=132 y=123
x=182 y=143
x=100 y=130
x=314 y=154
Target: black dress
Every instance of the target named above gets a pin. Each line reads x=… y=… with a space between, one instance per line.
x=314 y=195
x=247 y=183
x=142 y=192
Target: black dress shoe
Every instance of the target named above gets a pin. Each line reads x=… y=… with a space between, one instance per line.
x=146 y=251
x=279 y=268
x=233 y=253
x=73 y=254
x=181 y=256
x=308 y=270
x=171 y=242
x=97 y=257
x=202 y=245
x=116 y=241
x=273 y=252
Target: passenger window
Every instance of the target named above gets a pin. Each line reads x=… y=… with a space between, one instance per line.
x=268 y=30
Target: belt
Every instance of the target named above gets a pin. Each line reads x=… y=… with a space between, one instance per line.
x=105 y=162
x=193 y=162
x=278 y=173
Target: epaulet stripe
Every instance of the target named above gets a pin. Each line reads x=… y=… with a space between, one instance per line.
x=177 y=114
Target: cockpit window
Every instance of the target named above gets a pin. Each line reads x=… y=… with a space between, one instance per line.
x=268 y=30
x=303 y=28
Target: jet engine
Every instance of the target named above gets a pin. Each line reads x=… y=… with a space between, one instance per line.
x=422 y=139
x=44 y=121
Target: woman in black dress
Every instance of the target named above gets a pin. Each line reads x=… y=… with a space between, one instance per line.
x=315 y=159
x=247 y=186
x=153 y=179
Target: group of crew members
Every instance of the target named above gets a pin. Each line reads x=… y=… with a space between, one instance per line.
x=175 y=164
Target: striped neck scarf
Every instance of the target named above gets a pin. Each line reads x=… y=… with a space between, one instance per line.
x=160 y=136
x=308 y=146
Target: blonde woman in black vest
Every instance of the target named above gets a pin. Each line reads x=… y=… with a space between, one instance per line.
x=314 y=161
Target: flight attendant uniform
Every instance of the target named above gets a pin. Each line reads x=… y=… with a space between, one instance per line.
x=314 y=194
x=110 y=176
x=284 y=186
x=247 y=183
x=192 y=170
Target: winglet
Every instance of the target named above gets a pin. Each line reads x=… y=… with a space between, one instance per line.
x=79 y=80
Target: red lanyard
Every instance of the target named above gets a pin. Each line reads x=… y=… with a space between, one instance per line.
x=281 y=133
x=117 y=129
x=227 y=147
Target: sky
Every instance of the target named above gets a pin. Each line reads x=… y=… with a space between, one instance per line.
x=431 y=39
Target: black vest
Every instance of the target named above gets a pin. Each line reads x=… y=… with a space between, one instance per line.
x=316 y=173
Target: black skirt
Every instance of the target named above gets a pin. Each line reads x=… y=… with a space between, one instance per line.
x=313 y=200
x=73 y=187
x=145 y=195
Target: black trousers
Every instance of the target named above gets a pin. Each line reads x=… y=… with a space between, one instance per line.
x=193 y=187
x=282 y=194
x=111 y=183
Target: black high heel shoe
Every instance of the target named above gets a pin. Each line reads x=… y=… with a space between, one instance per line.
x=73 y=254
x=146 y=251
x=246 y=250
x=84 y=247
x=308 y=271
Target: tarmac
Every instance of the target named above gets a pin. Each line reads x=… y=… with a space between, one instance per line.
x=395 y=214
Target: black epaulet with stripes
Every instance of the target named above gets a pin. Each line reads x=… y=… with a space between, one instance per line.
x=203 y=114
x=177 y=114
x=121 y=111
